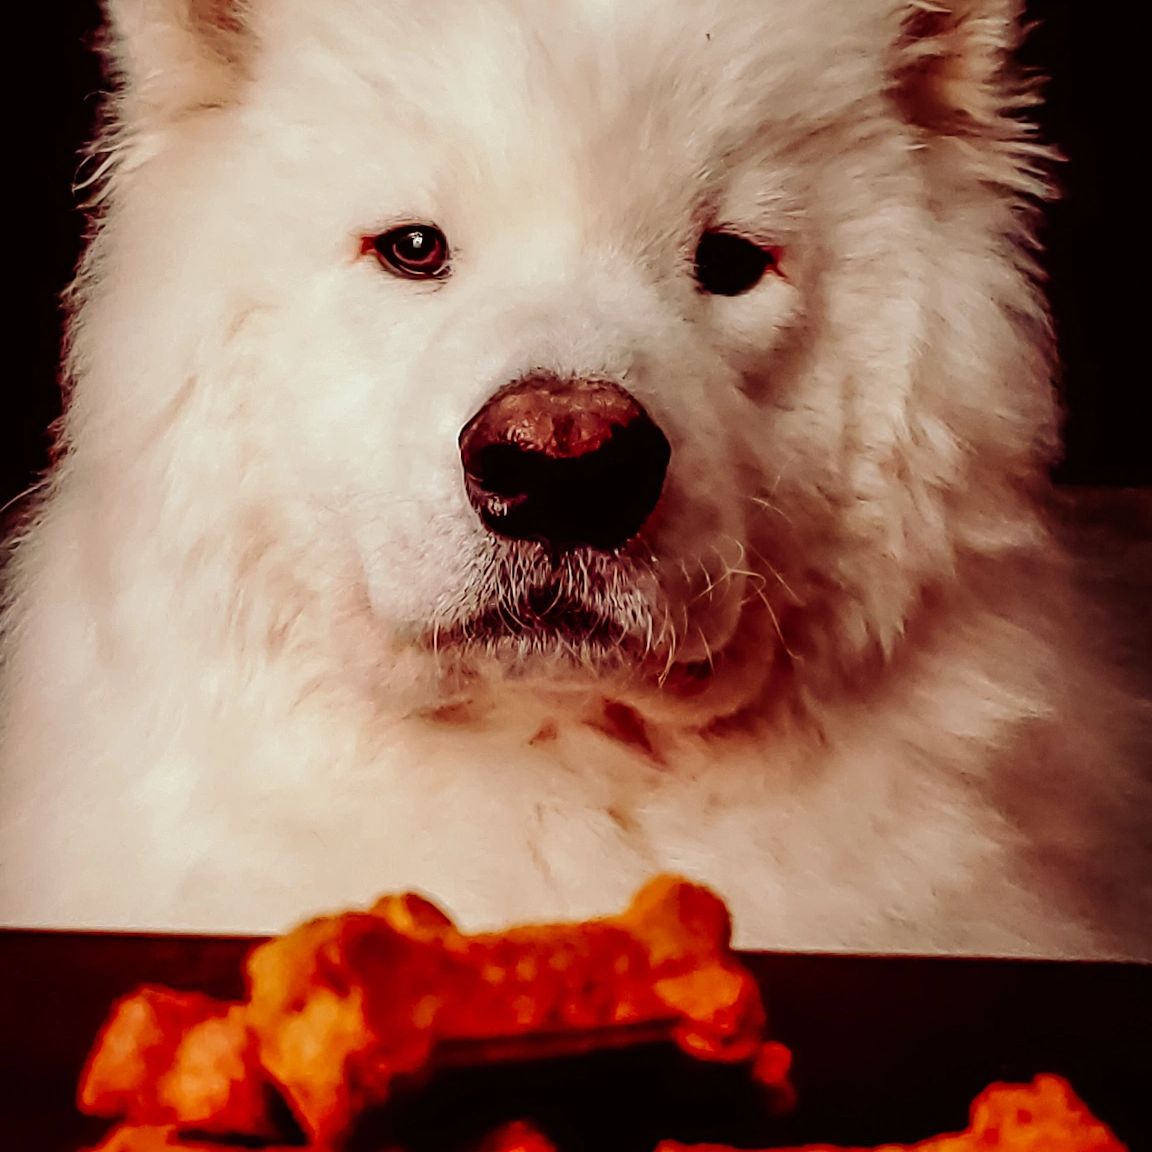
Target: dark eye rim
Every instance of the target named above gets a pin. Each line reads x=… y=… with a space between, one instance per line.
x=382 y=245
x=756 y=257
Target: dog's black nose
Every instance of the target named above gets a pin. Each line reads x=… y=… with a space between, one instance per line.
x=567 y=462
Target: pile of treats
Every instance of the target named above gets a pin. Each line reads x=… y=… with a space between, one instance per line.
x=344 y=1009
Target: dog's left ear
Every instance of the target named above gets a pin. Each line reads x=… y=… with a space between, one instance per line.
x=954 y=73
x=172 y=56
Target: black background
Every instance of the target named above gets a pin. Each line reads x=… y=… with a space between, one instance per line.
x=1099 y=384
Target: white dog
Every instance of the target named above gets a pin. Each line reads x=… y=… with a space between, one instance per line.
x=519 y=446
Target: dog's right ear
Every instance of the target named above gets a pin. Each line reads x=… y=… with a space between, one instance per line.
x=954 y=71
x=172 y=56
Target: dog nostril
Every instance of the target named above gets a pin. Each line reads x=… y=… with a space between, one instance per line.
x=506 y=469
x=567 y=463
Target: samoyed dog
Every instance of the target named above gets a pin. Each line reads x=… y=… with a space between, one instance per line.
x=519 y=446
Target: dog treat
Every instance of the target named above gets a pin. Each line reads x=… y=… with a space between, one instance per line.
x=372 y=996
x=1044 y=1116
x=165 y=1057
x=342 y=1006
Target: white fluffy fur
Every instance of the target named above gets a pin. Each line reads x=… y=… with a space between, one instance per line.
x=859 y=694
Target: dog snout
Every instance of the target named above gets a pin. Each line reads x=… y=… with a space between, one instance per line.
x=569 y=463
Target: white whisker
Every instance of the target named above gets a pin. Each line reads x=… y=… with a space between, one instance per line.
x=764 y=502
x=776 y=625
x=779 y=577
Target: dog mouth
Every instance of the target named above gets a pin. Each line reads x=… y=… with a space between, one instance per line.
x=546 y=617
x=579 y=607
x=523 y=609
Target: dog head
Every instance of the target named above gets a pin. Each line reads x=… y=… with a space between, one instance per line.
x=676 y=346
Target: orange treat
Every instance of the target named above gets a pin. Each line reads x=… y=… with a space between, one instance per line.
x=167 y=1058
x=1044 y=1116
x=345 y=1004
x=136 y=1047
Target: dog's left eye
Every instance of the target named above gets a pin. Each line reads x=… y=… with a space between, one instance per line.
x=419 y=251
x=729 y=265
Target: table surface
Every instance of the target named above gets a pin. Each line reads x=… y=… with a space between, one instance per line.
x=886 y=1048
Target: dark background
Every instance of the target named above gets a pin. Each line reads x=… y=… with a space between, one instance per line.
x=1098 y=386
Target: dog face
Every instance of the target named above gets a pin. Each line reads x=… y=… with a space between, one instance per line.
x=662 y=343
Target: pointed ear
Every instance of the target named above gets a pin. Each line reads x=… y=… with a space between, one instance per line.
x=954 y=72
x=171 y=56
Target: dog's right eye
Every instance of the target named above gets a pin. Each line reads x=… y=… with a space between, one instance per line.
x=728 y=264
x=418 y=251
